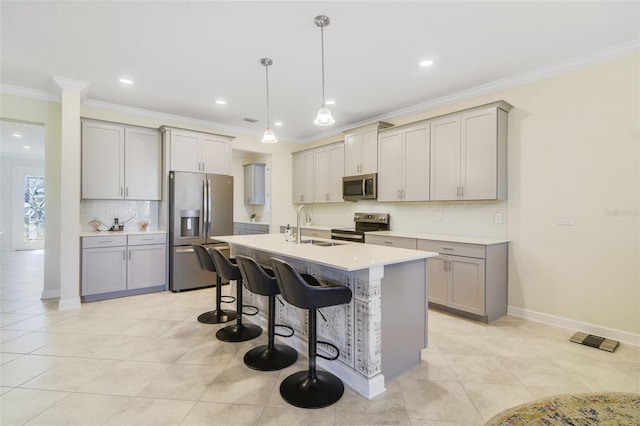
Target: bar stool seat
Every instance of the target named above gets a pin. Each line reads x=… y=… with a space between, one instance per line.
x=229 y=271
x=218 y=315
x=272 y=356
x=310 y=388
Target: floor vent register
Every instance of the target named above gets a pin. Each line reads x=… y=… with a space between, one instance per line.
x=595 y=341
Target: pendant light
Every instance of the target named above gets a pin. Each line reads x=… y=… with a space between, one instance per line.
x=269 y=136
x=324 y=117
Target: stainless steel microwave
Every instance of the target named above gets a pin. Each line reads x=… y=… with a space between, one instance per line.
x=360 y=187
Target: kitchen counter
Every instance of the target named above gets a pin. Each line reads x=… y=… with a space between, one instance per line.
x=125 y=232
x=436 y=237
x=380 y=332
x=344 y=256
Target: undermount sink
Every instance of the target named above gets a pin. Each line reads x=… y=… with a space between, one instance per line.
x=321 y=243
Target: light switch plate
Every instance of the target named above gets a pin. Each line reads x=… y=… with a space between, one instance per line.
x=566 y=219
x=497 y=218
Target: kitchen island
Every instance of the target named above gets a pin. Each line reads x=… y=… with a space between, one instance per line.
x=381 y=332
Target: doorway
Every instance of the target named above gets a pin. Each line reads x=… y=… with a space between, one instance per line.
x=22 y=209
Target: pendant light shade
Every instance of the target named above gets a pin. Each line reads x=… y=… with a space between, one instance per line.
x=269 y=136
x=324 y=117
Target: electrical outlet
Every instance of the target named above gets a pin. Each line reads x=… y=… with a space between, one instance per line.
x=497 y=218
x=566 y=219
x=438 y=216
x=109 y=213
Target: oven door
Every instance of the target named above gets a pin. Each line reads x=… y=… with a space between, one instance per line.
x=351 y=236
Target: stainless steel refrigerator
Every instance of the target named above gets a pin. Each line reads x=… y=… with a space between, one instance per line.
x=200 y=207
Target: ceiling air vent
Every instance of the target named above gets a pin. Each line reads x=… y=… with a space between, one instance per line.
x=250 y=120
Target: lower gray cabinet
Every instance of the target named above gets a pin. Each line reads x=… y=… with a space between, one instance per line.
x=121 y=265
x=469 y=278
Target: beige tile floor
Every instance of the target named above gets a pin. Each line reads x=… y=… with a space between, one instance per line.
x=146 y=360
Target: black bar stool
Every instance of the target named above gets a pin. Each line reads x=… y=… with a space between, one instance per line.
x=311 y=388
x=219 y=315
x=229 y=271
x=261 y=281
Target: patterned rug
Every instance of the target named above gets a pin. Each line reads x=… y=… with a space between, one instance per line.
x=578 y=409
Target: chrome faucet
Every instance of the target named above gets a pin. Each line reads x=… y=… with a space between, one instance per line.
x=299 y=236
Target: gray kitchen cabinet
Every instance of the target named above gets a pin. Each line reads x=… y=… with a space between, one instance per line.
x=198 y=152
x=383 y=240
x=328 y=170
x=469 y=154
x=468 y=278
x=243 y=228
x=254 y=183
x=303 y=177
x=361 y=149
x=403 y=158
x=120 y=162
x=121 y=265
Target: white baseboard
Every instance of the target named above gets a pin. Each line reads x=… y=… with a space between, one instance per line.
x=66 y=304
x=49 y=294
x=598 y=330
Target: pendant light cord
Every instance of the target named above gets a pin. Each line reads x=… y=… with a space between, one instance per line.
x=266 y=68
x=322 y=50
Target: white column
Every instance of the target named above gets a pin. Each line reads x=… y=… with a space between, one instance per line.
x=71 y=96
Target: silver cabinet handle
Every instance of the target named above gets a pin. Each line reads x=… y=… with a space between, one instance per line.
x=105 y=241
x=389 y=243
x=126 y=191
x=448 y=248
x=121 y=191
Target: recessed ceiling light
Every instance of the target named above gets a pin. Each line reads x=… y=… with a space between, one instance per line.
x=277 y=123
x=126 y=81
x=426 y=63
x=26 y=147
x=330 y=102
x=16 y=135
x=221 y=102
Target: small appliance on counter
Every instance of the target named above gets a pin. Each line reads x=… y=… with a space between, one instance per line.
x=364 y=222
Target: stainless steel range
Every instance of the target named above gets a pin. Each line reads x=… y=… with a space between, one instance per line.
x=364 y=222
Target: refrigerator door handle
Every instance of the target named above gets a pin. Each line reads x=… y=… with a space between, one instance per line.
x=208 y=210
x=203 y=233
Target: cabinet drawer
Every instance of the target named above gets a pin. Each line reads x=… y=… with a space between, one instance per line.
x=456 y=249
x=104 y=241
x=408 y=243
x=138 y=240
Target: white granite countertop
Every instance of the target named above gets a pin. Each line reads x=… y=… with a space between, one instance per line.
x=125 y=232
x=435 y=237
x=318 y=227
x=346 y=256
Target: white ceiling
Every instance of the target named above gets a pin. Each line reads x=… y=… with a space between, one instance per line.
x=185 y=55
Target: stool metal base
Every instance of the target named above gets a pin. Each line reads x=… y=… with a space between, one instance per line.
x=302 y=391
x=217 y=317
x=238 y=332
x=265 y=359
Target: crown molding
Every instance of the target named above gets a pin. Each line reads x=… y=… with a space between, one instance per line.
x=573 y=64
x=63 y=83
x=23 y=92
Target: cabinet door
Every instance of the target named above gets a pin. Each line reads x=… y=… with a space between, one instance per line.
x=254 y=189
x=416 y=160
x=146 y=266
x=438 y=279
x=104 y=270
x=102 y=161
x=303 y=178
x=369 y=151
x=445 y=158
x=390 y=168
x=215 y=155
x=185 y=151
x=336 y=173
x=479 y=155
x=467 y=284
x=321 y=176
x=352 y=154
x=143 y=164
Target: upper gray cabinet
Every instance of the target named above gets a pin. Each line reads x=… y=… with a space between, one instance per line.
x=469 y=154
x=120 y=162
x=254 y=187
x=361 y=149
x=198 y=152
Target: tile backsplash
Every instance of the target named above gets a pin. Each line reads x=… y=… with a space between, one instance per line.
x=107 y=210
